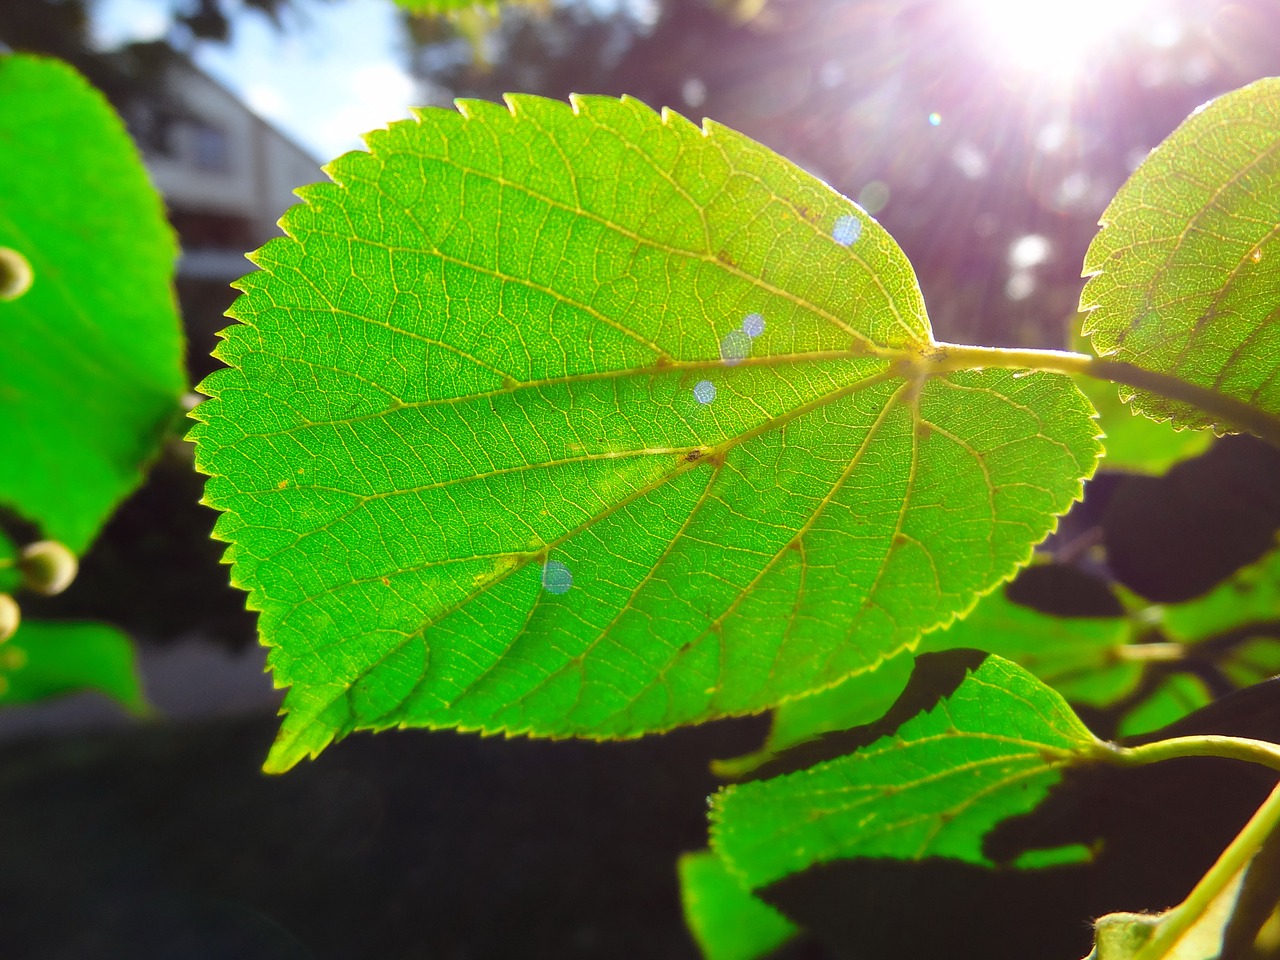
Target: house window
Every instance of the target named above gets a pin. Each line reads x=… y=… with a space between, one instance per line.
x=209 y=148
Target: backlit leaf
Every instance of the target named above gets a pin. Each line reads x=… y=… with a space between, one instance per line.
x=91 y=366
x=1188 y=259
x=584 y=420
x=934 y=786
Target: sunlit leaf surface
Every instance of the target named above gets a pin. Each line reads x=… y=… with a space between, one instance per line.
x=45 y=660
x=727 y=922
x=1188 y=258
x=585 y=420
x=91 y=354
x=988 y=749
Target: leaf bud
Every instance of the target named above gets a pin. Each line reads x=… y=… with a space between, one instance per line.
x=47 y=566
x=10 y=617
x=15 y=274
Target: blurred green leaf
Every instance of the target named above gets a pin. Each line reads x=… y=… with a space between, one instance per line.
x=578 y=419
x=727 y=922
x=46 y=659
x=1174 y=698
x=1188 y=259
x=1252 y=661
x=1250 y=595
x=974 y=755
x=1077 y=656
x=91 y=370
x=10 y=578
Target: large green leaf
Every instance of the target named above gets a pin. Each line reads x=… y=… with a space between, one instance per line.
x=584 y=420
x=1188 y=259
x=934 y=786
x=45 y=660
x=91 y=366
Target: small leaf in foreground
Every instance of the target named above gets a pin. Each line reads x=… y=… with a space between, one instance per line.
x=1188 y=261
x=727 y=922
x=471 y=474
x=92 y=358
x=46 y=659
x=989 y=743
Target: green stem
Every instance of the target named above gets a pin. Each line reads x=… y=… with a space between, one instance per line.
x=1207 y=745
x=1228 y=866
x=1228 y=412
x=1151 y=653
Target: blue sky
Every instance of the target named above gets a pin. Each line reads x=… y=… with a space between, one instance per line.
x=334 y=72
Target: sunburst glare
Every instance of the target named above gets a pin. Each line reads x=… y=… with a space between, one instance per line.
x=1055 y=40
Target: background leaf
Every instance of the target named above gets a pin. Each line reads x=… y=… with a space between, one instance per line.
x=1251 y=594
x=92 y=360
x=48 y=659
x=727 y=922
x=983 y=749
x=584 y=420
x=1076 y=655
x=10 y=578
x=1188 y=263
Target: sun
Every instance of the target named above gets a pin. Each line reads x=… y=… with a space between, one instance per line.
x=1054 y=40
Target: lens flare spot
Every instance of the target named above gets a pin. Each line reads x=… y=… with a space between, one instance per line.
x=704 y=391
x=847 y=230
x=556 y=577
x=753 y=325
x=735 y=347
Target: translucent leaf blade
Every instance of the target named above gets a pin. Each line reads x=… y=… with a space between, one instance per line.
x=1187 y=262
x=933 y=787
x=590 y=421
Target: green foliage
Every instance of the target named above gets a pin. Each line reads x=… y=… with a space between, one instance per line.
x=1080 y=657
x=1172 y=699
x=92 y=358
x=727 y=921
x=1250 y=595
x=583 y=420
x=45 y=660
x=1187 y=261
x=933 y=786
x=507 y=445
x=1139 y=444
